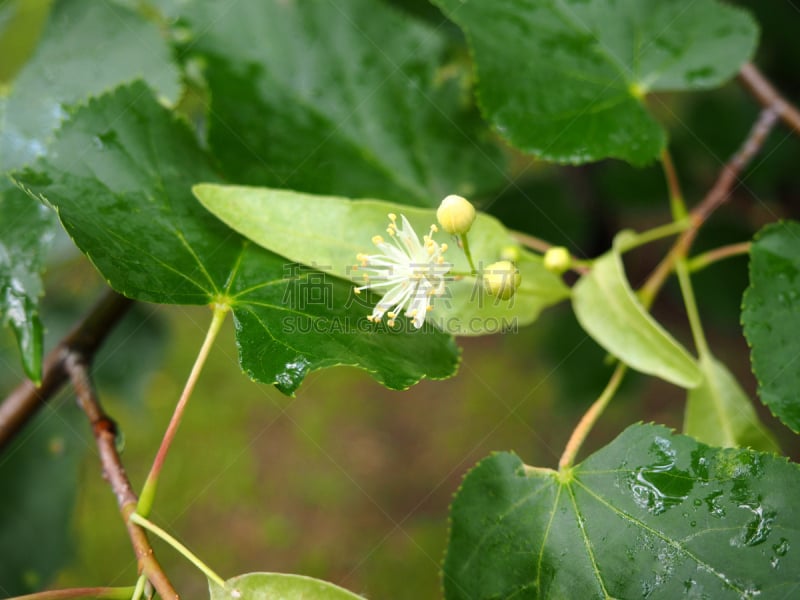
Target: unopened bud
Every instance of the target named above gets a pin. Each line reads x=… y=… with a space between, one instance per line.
x=501 y=279
x=557 y=260
x=456 y=214
x=510 y=253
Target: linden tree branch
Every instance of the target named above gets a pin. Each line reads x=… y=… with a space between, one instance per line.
x=85 y=339
x=105 y=434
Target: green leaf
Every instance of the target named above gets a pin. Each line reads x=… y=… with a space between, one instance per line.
x=40 y=472
x=609 y=311
x=566 y=79
x=328 y=232
x=350 y=98
x=120 y=178
x=21 y=22
x=65 y=69
x=651 y=515
x=719 y=413
x=771 y=319
x=273 y=586
x=26 y=231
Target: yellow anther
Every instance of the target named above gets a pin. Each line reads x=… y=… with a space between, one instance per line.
x=376 y=239
x=357 y=291
x=392 y=217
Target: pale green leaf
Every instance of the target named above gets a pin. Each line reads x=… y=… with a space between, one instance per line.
x=719 y=413
x=327 y=232
x=278 y=586
x=610 y=312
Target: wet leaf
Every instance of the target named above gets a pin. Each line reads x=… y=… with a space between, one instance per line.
x=26 y=231
x=609 y=311
x=652 y=515
x=270 y=586
x=120 y=179
x=771 y=319
x=350 y=98
x=328 y=232
x=566 y=79
x=719 y=413
x=63 y=70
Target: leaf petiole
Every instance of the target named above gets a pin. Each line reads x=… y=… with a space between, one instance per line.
x=147 y=496
x=183 y=550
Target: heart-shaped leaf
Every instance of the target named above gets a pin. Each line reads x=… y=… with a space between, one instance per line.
x=719 y=413
x=566 y=79
x=350 y=97
x=120 y=178
x=772 y=321
x=609 y=311
x=278 y=586
x=328 y=232
x=651 y=515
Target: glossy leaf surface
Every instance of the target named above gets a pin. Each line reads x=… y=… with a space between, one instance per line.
x=26 y=230
x=609 y=311
x=565 y=79
x=328 y=232
x=120 y=180
x=771 y=319
x=652 y=515
x=351 y=98
x=273 y=586
x=64 y=69
x=719 y=413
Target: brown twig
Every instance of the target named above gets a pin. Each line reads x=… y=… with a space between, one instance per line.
x=105 y=433
x=716 y=197
x=23 y=402
x=762 y=89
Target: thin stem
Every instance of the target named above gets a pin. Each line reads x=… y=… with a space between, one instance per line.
x=151 y=483
x=99 y=593
x=590 y=418
x=676 y=202
x=139 y=589
x=86 y=338
x=768 y=96
x=716 y=197
x=657 y=233
x=183 y=550
x=701 y=261
x=689 y=301
x=105 y=434
x=467 y=253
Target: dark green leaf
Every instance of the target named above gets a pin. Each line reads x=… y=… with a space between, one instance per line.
x=120 y=179
x=271 y=586
x=39 y=471
x=350 y=98
x=610 y=312
x=651 y=515
x=565 y=79
x=719 y=413
x=64 y=69
x=26 y=230
x=291 y=224
x=771 y=319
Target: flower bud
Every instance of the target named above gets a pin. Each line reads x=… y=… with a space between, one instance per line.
x=510 y=253
x=501 y=279
x=456 y=214
x=557 y=260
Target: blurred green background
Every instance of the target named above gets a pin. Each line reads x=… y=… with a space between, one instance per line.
x=348 y=481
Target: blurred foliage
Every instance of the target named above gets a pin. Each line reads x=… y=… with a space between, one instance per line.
x=351 y=482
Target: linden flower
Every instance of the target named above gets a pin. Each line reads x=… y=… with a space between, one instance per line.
x=414 y=272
